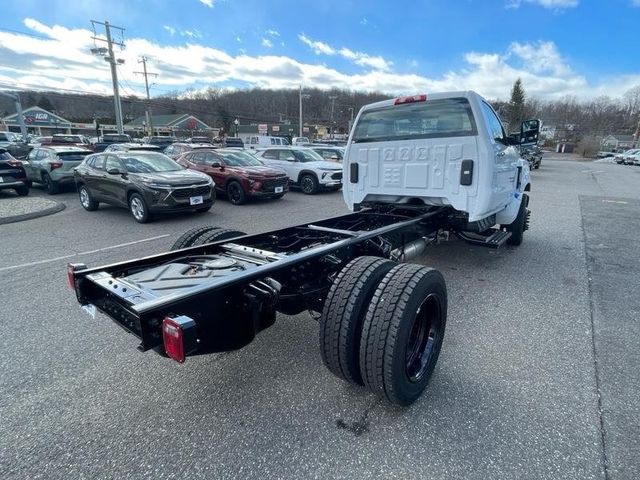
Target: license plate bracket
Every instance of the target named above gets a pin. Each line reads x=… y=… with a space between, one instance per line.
x=196 y=200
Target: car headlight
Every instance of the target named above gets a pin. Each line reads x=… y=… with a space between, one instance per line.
x=156 y=185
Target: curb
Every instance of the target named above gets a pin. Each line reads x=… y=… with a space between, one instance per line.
x=30 y=216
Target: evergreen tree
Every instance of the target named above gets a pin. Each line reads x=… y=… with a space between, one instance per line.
x=516 y=105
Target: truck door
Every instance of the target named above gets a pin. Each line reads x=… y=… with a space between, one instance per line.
x=505 y=173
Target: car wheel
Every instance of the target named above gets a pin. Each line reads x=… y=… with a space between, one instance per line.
x=235 y=193
x=403 y=332
x=51 y=186
x=87 y=202
x=28 y=183
x=343 y=314
x=138 y=208
x=520 y=224
x=23 y=191
x=308 y=184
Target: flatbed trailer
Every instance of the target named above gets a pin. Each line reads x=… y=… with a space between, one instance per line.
x=223 y=287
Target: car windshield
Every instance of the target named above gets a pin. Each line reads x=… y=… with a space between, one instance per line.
x=149 y=163
x=240 y=159
x=308 y=155
x=431 y=119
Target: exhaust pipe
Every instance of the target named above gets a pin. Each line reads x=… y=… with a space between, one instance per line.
x=410 y=250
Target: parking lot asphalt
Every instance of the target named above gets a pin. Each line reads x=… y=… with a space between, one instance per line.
x=538 y=375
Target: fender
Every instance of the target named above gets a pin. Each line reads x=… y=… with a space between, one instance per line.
x=305 y=172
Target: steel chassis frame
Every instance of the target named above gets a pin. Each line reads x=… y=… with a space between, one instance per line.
x=293 y=271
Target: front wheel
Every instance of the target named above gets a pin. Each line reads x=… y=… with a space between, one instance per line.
x=520 y=224
x=139 y=209
x=308 y=184
x=235 y=193
x=86 y=200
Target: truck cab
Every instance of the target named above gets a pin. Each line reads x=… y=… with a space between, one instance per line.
x=444 y=149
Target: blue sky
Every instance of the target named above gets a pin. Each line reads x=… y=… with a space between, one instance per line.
x=559 y=47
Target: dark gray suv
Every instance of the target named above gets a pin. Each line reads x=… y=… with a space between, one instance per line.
x=144 y=182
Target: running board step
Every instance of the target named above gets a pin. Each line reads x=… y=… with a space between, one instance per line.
x=495 y=240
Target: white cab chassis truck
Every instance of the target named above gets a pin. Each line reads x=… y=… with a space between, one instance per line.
x=415 y=166
x=442 y=149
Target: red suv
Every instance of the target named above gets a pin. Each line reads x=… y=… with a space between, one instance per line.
x=238 y=174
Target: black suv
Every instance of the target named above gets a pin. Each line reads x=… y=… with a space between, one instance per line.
x=144 y=182
x=12 y=173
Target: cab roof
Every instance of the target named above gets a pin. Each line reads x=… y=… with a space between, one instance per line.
x=429 y=96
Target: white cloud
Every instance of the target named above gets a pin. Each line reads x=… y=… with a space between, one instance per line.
x=550 y=4
x=635 y=3
x=273 y=33
x=266 y=43
x=317 y=46
x=63 y=61
x=208 y=3
x=359 y=58
x=171 y=30
x=191 y=33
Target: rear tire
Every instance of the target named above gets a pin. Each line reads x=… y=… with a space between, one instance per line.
x=402 y=333
x=51 y=186
x=343 y=314
x=308 y=184
x=87 y=202
x=22 y=191
x=217 y=235
x=187 y=238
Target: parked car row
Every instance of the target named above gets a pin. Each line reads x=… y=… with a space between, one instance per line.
x=630 y=157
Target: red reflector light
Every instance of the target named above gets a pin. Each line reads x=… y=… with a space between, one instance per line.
x=70 y=279
x=172 y=337
x=411 y=99
x=55 y=165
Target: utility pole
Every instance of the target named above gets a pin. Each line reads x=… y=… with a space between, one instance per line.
x=351 y=120
x=300 y=116
x=147 y=112
x=113 y=62
x=333 y=104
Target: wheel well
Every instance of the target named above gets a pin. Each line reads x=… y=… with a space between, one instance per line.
x=307 y=172
x=233 y=179
x=131 y=192
x=527 y=188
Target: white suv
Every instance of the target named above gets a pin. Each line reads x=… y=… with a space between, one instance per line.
x=305 y=168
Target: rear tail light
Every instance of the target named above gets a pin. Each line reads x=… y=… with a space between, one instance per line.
x=55 y=165
x=71 y=269
x=411 y=99
x=15 y=163
x=179 y=337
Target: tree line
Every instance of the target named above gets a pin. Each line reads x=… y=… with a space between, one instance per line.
x=588 y=119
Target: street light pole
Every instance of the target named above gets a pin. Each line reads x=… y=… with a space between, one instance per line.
x=146 y=85
x=20 y=116
x=333 y=104
x=236 y=122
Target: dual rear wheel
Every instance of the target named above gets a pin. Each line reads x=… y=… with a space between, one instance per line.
x=382 y=326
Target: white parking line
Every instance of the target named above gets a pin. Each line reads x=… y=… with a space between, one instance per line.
x=49 y=260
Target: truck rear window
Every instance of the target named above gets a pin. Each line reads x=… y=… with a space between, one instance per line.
x=451 y=117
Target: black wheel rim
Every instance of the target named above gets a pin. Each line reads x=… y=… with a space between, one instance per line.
x=47 y=183
x=307 y=184
x=424 y=338
x=234 y=193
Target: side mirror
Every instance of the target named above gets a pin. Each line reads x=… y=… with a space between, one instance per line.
x=530 y=131
x=216 y=165
x=115 y=171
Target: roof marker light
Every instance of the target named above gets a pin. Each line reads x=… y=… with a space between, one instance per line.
x=410 y=99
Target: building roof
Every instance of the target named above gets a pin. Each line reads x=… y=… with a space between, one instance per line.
x=36 y=116
x=178 y=120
